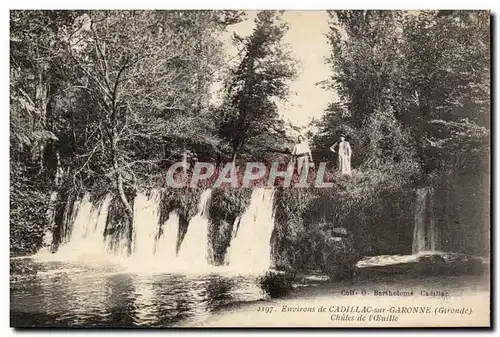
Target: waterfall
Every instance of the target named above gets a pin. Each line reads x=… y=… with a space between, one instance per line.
x=84 y=235
x=425 y=233
x=70 y=212
x=193 y=251
x=87 y=235
x=154 y=243
x=146 y=223
x=433 y=230
x=250 y=249
x=167 y=243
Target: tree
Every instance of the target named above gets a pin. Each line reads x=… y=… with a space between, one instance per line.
x=413 y=99
x=109 y=98
x=38 y=78
x=38 y=74
x=249 y=110
x=428 y=70
x=146 y=85
x=448 y=76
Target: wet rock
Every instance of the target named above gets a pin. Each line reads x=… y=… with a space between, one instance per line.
x=450 y=264
x=426 y=263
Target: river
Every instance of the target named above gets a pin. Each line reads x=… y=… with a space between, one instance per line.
x=60 y=294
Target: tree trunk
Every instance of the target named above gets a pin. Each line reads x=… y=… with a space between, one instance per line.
x=114 y=154
x=119 y=187
x=184 y=159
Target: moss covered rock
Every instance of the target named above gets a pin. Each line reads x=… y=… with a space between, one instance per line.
x=341 y=256
x=327 y=249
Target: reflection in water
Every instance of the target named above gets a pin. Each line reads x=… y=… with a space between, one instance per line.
x=217 y=292
x=70 y=294
x=120 y=305
x=144 y=302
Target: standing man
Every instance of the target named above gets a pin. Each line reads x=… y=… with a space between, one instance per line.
x=302 y=153
x=345 y=153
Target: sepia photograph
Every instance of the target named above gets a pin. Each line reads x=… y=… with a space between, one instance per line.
x=250 y=168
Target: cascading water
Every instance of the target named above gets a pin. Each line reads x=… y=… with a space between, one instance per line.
x=146 y=223
x=154 y=244
x=87 y=235
x=435 y=239
x=193 y=252
x=250 y=249
x=70 y=211
x=425 y=233
x=166 y=245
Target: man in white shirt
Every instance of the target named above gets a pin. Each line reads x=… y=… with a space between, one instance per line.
x=302 y=153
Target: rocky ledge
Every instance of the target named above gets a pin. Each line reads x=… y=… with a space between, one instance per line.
x=424 y=263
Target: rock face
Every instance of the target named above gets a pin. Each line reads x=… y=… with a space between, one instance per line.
x=425 y=263
x=449 y=264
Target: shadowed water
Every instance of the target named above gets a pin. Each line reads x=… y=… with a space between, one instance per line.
x=70 y=294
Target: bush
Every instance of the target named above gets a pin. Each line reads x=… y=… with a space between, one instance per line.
x=28 y=207
x=275 y=284
x=328 y=250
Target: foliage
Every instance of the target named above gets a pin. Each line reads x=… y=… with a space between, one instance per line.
x=371 y=205
x=413 y=100
x=184 y=201
x=275 y=284
x=37 y=71
x=328 y=249
x=119 y=227
x=291 y=206
x=108 y=108
x=145 y=85
x=399 y=75
x=250 y=113
x=27 y=208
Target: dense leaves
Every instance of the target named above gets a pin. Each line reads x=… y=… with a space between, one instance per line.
x=106 y=100
x=250 y=120
x=412 y=97
x=410 y=80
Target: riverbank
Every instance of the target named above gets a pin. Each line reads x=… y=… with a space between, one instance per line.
x=443 y=301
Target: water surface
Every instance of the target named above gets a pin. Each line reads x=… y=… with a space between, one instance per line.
x=60 y=294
